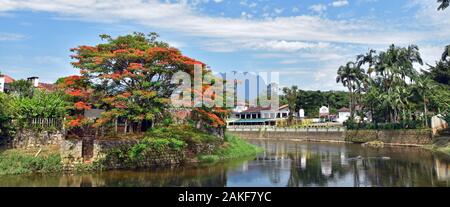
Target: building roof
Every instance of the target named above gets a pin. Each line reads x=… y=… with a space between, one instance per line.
x=283 y=107
x=252 y=120
x=260 y=108
x=47 y=86
x=8 y=79
x=256 y=109
x=344 y=110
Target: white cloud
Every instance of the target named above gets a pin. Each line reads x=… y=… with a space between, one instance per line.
x=319 y=8
x=339 y=3
x=11 y=37
x=181 y=17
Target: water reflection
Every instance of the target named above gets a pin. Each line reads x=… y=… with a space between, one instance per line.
x=284 y=163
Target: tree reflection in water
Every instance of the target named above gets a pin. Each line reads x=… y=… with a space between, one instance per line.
x=284 y=163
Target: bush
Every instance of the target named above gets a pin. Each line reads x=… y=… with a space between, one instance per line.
x=40 y=105
x=234 y=147
x=188 y=134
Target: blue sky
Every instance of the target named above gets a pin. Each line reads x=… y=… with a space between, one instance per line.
x=305 y=40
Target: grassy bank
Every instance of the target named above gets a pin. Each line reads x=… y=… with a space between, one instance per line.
x=441 y=145
x=16 y=162
x=233 y=147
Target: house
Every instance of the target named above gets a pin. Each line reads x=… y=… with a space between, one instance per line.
x=259 y=115
x=5 y=80
x=343 y=115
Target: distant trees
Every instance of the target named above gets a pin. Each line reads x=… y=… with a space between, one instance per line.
x=311 y=101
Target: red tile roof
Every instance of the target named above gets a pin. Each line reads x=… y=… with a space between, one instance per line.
x=8 y=78
x=47 y=86
x=344 y=110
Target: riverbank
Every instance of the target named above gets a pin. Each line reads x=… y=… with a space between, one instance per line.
x=233 y=147
x=160 y=147
x=441 y=145
x=13 y=161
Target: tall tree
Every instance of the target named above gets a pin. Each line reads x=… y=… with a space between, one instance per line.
x=131 y=76
x=446 y=53
x=424 y=87
x=291 y=97
x=351 y=76
x=443 y=4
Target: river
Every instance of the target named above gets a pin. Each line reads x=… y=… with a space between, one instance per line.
x=284 y=163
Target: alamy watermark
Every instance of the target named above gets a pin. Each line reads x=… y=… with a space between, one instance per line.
x=229 y=90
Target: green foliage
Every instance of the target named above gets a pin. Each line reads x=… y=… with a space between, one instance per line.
x=185 y=133
x=22 y=88
x=16 y=163
x=234 y=147
x=310 y=101
x=158 y=145
x=40 y=105
x=5 y=112
x=440 y=72
x=393 y=91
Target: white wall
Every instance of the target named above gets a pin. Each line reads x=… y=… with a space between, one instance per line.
x=343 y=116
x=2 y=84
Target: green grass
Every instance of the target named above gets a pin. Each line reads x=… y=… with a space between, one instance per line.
x=17 y=163
x=234 y=147
x=441 y=145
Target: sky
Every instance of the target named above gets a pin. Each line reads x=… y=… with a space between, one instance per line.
x=304 y=40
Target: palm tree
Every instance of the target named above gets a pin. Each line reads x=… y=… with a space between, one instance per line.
x=351 y=76
x=291 y=96
x=446 y=52
x=443 y=4
x=424 y=87
x=368 y=58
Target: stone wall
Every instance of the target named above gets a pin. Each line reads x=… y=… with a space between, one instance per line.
x=397 y=137
x=71 y=153
x=30 y=139
x=114 y=154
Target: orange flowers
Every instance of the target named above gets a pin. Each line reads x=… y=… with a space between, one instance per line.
x=82 y=106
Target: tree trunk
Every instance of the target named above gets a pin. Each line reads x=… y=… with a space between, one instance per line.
x=115 y=125
x=351 y=102
x=425 y=110
x=126 y=126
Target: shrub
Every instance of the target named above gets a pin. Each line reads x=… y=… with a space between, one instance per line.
x=234 y=147
x=185 y=133
x=158 y=144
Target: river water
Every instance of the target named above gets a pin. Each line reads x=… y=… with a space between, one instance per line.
x=284 y=163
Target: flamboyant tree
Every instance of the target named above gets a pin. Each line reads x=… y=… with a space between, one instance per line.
x=130 y=78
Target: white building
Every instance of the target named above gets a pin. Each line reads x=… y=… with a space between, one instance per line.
x=259 y=115
x=343 y=115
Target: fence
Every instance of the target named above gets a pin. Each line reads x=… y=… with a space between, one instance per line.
x=280 y=129
x=39 y=123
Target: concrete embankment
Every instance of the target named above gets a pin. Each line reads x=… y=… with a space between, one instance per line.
x=301 y=134
x=390 y=137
